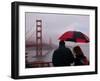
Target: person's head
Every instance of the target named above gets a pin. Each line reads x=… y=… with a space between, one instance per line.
x=78 y=51
x=61 y=43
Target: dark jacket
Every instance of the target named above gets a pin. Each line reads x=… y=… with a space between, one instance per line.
x=62 y=57
x=81 y=60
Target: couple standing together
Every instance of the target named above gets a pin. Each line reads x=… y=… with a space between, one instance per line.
x=64 y=57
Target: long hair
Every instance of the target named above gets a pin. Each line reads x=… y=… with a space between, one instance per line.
x=78 y=51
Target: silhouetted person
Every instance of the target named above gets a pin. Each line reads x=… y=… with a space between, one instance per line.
x=80 y=57
x=62 y=56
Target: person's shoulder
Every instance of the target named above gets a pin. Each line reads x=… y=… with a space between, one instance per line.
x=56 y=50
x=67 y=48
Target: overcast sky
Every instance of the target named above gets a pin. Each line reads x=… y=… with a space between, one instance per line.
x=54 y=25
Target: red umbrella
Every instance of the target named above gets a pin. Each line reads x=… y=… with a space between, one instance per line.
x=74 y=36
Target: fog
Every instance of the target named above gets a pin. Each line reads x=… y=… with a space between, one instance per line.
x=53 y=26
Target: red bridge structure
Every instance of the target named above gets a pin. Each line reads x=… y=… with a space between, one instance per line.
x=39 y=37
x=39 y=48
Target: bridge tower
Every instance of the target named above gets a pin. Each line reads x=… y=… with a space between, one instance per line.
x=38 y=37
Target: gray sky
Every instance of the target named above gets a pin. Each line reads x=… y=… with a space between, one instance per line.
x=54 y=25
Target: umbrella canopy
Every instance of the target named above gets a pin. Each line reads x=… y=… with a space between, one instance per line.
x=74 y=36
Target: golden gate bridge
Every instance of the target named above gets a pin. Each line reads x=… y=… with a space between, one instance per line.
x=38 y=45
